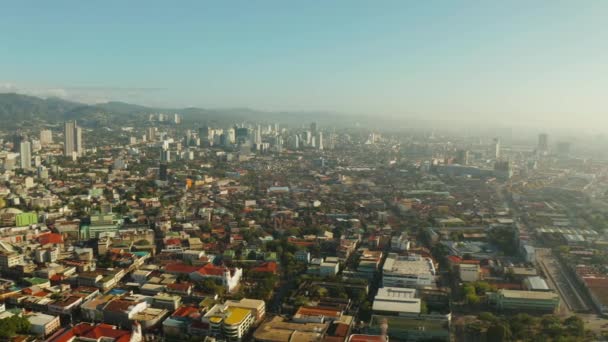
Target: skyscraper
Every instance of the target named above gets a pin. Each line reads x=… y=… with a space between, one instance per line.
x=320 y=141
x=496 y=148
x=72 y=143
x=25 y=151
x=203 y=134
x=258 y=135
x=151 y=133
x=462 y=157
x=46 y=137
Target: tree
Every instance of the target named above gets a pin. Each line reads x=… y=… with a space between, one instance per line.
x=423 y=307
x=301 y=301
x=14 y=325
x=365 y=311
x=472 y=299
x=488 y=317
x=575 y=325
x=498 y=332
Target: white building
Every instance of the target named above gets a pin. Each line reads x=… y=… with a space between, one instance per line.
x=229 y=277
x=469 y=272
x=328 y=269
x=396 y=301
x=42 y=324
x=408 y=271
x=25 y=152
x=46 y=137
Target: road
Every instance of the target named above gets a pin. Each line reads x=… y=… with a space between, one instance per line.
x=560 y=281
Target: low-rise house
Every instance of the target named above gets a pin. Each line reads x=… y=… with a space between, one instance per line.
x=42 y=324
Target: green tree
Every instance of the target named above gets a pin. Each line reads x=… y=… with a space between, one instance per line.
x=575 y=326
x=498 y=332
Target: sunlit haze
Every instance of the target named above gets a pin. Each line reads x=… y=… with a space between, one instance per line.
x=542 y=61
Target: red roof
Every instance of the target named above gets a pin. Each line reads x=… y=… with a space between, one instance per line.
x=178 y=267
x=95 y=332
x=212 y=270
x=596 y=282
x=173 y=242
x=179 y=286
x=458 y=260
x=50 y=238
x=267 y=267
x=185 y=311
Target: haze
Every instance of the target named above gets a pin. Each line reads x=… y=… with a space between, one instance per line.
x=540 y=63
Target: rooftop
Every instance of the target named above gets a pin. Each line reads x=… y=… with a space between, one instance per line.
x=413 y=264
x=533 y=295
x=280 y=330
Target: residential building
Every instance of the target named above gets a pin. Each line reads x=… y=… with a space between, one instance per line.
x=42 y=324
x=9 y=260
x=72 y=144
x=167 y=301
x=25 y=155
x=46 y=137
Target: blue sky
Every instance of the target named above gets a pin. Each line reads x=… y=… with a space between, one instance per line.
x=539 y=60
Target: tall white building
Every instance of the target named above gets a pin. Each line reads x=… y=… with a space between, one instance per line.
x=320 y=141
x=72 y=144
x=496 y=148
x=25 y=151
x=151 y=133
x=46 y=137
x=258 y=135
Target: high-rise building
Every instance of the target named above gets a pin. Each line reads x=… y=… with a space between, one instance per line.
x=543 y=142
x=320 y=141
x=177 y=119
x=242 y=135
x=165 y=155
x=258 y=135
x=17 y=139
x=25 y=151
x=296 y=142
x=151 y=133
x=46 y=137
x=231 y=136
x=188 y=138
x=496 y=148
x=78 y=145
x=203 y=134
x=72 y=140
x=462 y=157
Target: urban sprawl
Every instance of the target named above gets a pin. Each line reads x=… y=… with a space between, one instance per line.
x=167 y=229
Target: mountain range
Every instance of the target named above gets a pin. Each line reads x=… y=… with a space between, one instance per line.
x=18 y=109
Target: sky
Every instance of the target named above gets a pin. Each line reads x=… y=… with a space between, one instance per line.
x=540 y=61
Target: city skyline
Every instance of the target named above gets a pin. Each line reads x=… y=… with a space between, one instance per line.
x=471 y=61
